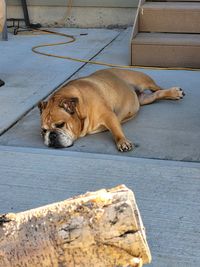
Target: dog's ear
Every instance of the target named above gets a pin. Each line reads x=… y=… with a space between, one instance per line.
x=42 y=105
x=69 y=104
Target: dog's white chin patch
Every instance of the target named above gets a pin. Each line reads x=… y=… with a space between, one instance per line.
x=46 y=139
x=65 y=140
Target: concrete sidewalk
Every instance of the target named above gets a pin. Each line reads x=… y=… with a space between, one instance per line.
x=166 y=183
x=167 y=192
x=29 y=77
x=164 y=130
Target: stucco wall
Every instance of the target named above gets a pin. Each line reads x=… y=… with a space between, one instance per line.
x=80 y=16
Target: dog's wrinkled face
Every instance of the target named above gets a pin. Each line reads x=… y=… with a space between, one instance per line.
x=60 y=124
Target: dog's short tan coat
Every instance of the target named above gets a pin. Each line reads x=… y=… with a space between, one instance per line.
x=97 y=102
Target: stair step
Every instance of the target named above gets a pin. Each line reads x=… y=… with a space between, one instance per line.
x=166 y=50
x=170 y=17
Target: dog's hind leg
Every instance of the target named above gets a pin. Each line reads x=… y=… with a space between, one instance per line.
x=174 y=93
x=154 y=87
x=150 y=85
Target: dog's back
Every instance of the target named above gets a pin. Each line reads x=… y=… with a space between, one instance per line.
x=137 y=79
x=108 y=89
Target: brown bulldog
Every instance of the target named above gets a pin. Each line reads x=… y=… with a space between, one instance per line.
x=101 y=101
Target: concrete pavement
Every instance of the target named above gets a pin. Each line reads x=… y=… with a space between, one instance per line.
x=166 y=183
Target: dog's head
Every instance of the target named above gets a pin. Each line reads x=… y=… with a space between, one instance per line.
x=60 y=122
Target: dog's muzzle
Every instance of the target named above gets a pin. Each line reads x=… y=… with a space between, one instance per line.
x=58 y=139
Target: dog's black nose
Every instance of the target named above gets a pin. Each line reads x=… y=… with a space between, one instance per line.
x=54 y=140
x=52 y=136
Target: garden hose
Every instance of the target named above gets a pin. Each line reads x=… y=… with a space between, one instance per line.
x=36 y=50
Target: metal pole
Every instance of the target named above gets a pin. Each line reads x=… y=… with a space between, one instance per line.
x=25 y=11
x=4 y=32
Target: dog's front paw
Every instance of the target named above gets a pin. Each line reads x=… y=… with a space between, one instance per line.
x=124 y=145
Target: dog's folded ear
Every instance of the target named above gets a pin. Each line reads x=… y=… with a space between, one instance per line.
x=42 y=105
x=69 y=104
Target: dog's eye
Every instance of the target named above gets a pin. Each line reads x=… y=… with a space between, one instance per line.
x=60 y=125
x=44 y=130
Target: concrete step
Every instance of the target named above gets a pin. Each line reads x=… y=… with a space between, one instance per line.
x=167 y=193
x=166 y=50
x=170 y=17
